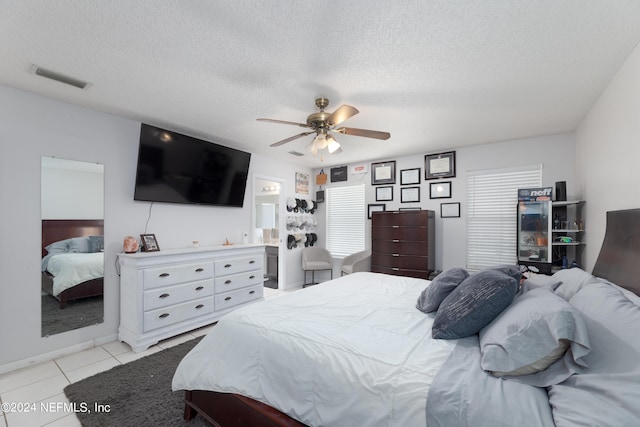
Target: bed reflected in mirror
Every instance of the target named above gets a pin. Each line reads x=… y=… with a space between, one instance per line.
x=72 y=250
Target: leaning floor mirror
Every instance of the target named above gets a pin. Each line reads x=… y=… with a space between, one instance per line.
x=72 y=250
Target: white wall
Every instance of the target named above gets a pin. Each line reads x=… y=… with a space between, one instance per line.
x=607 y=153
x=32 y=126
x=554 y=152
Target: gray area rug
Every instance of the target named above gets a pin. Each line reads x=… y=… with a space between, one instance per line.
x=77 y=314
x=138 y=393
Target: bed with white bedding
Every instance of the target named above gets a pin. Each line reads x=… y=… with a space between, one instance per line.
x=356 y=351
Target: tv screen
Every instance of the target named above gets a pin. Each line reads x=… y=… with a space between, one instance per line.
x=176 y=168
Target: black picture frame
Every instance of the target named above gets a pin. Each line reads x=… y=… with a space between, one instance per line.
x=440 y=165
x=410 y=176
x=384 y=193
x=149 y=243
x=339 y=174
x=375 y=207
x=450 y=210
x=410 y=194
x=440 y=190
x=383 y=173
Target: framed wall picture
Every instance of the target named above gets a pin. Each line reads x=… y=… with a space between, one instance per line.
x=339 y=174
x=440 y=165
x=384 y=194
x=149 y=243
x=449 y=210
x=375 y=207
x=409 y=194
x=383 y=173
x=302 y=183
x=410 y=176
x=440 y=190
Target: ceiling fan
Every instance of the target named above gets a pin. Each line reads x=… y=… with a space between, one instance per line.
x=322 y=123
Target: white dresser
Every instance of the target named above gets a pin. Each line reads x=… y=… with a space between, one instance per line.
x=166 y=293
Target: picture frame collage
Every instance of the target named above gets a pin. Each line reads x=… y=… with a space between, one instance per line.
x=438 y=167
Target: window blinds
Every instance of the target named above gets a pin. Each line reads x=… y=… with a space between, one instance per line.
x=492 y=214
x=345 y=220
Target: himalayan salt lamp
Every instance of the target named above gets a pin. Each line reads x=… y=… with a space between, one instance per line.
x=130 y=245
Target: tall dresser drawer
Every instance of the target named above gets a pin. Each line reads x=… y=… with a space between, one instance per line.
x=236 y=281
x=162 y=297
x=402 y=247
x=238 y=265
x=229 y=299
x=411 y=262
x=420 y=274
x=158 y=318
x=179 y=273
x=405 y=219
x=400 y=233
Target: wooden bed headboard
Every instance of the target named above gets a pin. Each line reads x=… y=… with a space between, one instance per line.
x=619 y=258
x=54 y=230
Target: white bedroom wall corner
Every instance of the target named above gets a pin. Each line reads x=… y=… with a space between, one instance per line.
x=607 y=150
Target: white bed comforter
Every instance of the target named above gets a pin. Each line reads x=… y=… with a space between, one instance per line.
x=71 y=269
x=353 y=351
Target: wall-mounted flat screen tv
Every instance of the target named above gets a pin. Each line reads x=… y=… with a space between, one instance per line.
x=176 y=168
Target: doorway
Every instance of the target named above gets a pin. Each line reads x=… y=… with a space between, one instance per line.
x=266 y=213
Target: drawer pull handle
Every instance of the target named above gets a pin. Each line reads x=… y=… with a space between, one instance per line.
x=396 y=254
x=199 y=270
x=252 y=277
x=199 y=306
x=395 y=226
x=163 y=296
x=395 y=269
x=163 y=315
x=164 y=275
x=199 y=288
x=227 y=282
x=252 y=292
x=227 y=266
x=396 y=240
x=227 y=299
x=252 y=262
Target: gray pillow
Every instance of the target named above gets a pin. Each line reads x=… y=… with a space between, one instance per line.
x=510 y=270
x=473 y=304
x=534 y=332
x=80 y=245
x=59 y=247
x=443 y=284
x=96 y=243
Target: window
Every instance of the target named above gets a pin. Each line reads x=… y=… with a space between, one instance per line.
x=345 y=220
x=492 y=214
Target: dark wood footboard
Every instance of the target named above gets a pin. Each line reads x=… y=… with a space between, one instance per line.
x=233 y=410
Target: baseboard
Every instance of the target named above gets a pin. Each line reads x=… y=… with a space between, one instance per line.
x=45 y=357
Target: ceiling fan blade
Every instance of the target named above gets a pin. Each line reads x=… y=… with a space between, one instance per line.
x=341 y=114
x=284 y=141
x=364 y=132
x=283 y=122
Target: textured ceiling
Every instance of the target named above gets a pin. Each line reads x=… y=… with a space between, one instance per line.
x=437 y=75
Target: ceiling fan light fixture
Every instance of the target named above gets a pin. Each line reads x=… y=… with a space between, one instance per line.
x=333 y=146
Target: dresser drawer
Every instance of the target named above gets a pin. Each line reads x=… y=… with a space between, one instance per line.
x=169 y=295
x=400 y=247
x=178 y=273
x=410 y=262
x=420 y=274
x=237 y=281
x=238 y=265
x=161 y=317
x=401 y=218
x=400 y=233
x=240 y=296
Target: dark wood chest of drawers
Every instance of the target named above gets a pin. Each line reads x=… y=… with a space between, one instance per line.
x=403 y=243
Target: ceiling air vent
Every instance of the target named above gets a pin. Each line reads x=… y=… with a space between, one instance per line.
x=296 y=153
x=43 y=72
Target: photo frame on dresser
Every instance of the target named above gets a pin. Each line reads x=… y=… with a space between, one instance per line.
x=149 y=243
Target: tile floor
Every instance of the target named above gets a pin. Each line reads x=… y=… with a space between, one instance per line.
x=41 y=385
